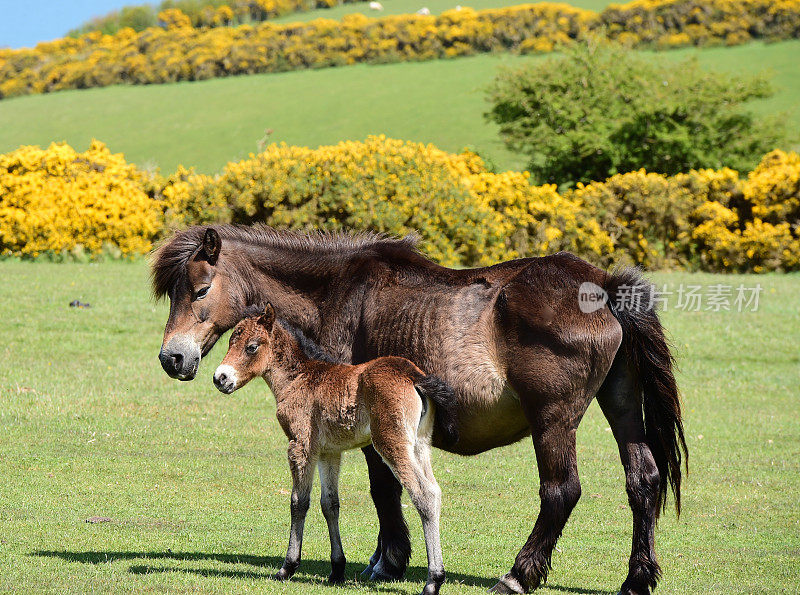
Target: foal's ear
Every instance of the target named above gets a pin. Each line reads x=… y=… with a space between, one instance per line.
x=267 y=319
x=211 y=245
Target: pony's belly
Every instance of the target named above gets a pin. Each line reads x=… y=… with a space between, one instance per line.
x=496 y=422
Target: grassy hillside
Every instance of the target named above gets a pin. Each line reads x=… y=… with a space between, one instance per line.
x=208 y=123
x=410 y=6
x=194 y=484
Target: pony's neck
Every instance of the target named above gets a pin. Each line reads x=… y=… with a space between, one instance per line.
x=291 y=279
x=288 y=362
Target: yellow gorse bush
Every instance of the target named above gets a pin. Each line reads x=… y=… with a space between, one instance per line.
x=182 y=52
x=706 y=219
x=463 y=214
x=210 y=13
x=760 y=231
x=56 y=200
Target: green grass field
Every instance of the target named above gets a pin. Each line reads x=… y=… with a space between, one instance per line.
x=196 y=486
x=206 y=124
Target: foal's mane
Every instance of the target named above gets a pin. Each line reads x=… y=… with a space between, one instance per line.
x=168 y=261
x=306 y=344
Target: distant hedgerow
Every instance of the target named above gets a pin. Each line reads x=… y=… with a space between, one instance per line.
x=200 y=13
x=182 y=52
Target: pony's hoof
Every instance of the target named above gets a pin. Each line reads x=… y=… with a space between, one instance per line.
x=431 y=589
x=632 y=588
x=381 y=577
x=282 y=575
x=507 y=584
x=336 y=576
x=386 y=573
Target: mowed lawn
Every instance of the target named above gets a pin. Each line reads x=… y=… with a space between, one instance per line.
x=195 y=484
x=206 y=124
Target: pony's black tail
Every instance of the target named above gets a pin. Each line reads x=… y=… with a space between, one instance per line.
x=444 y=399
x=631 y=299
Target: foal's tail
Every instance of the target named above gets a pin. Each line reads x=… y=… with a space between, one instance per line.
x=444 y=400
x=630 y=298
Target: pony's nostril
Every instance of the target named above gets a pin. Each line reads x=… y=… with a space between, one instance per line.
x=222 y=378
x=171 y=362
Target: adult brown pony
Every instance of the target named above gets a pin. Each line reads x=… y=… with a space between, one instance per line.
x=520 y=353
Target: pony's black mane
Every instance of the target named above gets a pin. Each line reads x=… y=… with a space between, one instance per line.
x=306 y=344
x=168 y=262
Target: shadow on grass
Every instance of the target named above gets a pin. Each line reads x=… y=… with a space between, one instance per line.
x=311 y=571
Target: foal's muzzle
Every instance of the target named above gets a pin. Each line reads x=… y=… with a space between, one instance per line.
x=225 y=379
x=180 y=358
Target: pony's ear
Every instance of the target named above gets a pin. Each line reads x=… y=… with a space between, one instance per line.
x=211 y=245
x=267 y=319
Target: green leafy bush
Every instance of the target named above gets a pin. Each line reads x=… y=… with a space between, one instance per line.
x=598 y=110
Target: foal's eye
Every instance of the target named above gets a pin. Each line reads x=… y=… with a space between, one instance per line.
x=252 y=348
x=202 y=293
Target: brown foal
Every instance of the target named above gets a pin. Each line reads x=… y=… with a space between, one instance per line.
x=327 y=408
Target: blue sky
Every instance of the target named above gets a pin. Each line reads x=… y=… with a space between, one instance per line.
x=24 y=23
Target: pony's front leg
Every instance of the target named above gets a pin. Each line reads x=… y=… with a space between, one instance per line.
x=301 y=463
x=329 y=501
x=393 y=551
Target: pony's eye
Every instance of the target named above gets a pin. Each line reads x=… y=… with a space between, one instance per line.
x=202 y=293
x=252 y=348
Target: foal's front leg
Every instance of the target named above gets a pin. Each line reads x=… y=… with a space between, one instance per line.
x=301 y=463
x=329 y=500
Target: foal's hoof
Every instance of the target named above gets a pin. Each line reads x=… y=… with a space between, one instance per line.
x=507 y=584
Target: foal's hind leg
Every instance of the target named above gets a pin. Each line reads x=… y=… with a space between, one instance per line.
x=329 y=500
x=395 y=436
x=622 y=407
x=301 y=463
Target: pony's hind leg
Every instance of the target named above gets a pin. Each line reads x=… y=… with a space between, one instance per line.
x=622 y=407
x=329 y=501
x=559 y=492
x=301 y=463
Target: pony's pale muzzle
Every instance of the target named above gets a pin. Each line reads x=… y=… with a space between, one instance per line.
x=225 y=379
x=180 y=357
